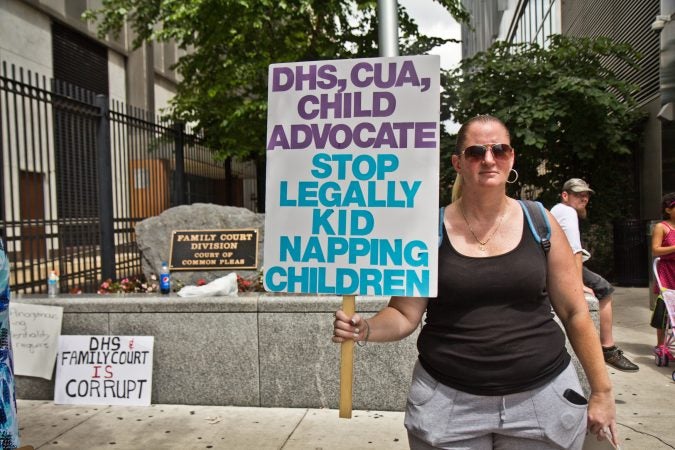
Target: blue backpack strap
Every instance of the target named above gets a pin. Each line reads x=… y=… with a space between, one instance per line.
x=441 y=214
x=537 y=220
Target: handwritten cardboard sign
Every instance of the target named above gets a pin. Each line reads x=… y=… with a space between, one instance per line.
x=352 y=177
x=35 y=331
x=104 y=370
x=214 y=249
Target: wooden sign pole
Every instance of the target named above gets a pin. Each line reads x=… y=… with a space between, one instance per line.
x=347 y=363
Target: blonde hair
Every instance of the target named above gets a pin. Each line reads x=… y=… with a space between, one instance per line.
x=456 y=189
x=459 y=146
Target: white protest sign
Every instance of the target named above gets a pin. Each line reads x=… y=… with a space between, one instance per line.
x=104 y=370
x=35 y=330
x=352 y=177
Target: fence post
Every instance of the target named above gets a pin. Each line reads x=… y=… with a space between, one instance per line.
x=179 y=176
x=229 y=184
x=105 y=201
x=2 y=164
x=260 y=170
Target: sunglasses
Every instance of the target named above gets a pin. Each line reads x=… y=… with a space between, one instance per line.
x=477 y=152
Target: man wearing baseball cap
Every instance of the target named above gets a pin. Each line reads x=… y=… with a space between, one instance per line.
x=575 y=195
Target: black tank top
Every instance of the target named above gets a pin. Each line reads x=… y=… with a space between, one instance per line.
x=491 y=329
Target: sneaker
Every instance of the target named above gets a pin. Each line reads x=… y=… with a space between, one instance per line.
x=614 y=357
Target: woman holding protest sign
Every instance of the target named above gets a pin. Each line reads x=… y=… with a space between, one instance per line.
x=493 y=371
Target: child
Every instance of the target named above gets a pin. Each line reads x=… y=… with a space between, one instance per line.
x=663 y=246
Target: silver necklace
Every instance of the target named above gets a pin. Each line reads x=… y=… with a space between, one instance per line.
x=481 y=244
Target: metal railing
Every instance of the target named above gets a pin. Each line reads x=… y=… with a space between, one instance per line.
x=79 y=170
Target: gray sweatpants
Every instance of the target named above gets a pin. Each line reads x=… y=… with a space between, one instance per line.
x=440 y=417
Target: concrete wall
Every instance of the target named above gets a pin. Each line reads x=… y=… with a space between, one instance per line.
x=252 y=350
x=25 y=37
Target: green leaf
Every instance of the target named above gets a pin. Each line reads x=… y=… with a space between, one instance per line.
x=568 y=114
x=231 y=43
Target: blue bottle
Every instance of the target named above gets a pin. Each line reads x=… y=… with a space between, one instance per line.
x=164 y=279
x=53 y=284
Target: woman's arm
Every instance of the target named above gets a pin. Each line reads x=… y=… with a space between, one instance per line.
x=657 y=239
x=567 y=298
x=394 y=322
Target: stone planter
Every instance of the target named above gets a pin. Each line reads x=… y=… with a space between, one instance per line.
x=251 y=350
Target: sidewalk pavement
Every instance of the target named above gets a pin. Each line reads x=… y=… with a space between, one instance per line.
x=645 y=415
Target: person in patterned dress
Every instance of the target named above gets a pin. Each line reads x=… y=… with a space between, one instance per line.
x=9 y=427
x=663 y=246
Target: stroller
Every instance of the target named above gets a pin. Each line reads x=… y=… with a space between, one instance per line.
x=662 y=353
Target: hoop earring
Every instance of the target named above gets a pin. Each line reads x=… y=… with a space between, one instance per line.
x=515 y=179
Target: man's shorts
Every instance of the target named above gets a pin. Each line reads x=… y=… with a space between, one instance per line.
x=601 y=287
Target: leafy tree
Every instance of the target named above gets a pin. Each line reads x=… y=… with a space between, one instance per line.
x=569 y=116
x=231 y=43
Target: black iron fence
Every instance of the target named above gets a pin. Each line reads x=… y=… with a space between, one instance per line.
x=78 y=171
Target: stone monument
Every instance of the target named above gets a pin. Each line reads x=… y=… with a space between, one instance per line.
x=153 y=236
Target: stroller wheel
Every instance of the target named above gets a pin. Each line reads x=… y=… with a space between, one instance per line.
x=673 y=375
x=658 y=359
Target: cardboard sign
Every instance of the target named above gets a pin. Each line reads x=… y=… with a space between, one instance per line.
x=35 y=331
x=352 y=177
x=104 y=370
x=214 y=249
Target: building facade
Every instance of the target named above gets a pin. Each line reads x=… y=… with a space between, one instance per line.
x=49 y=37
x=81 y=128
x=623 y=21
